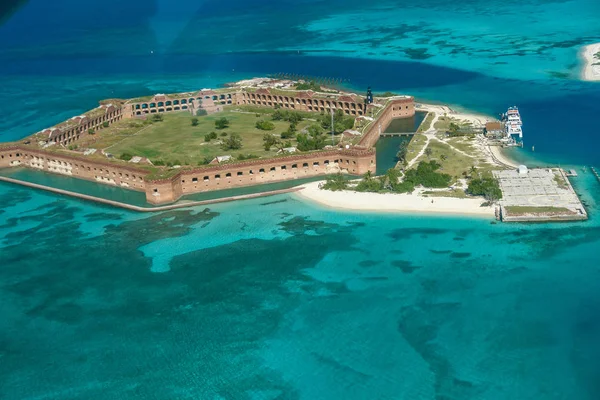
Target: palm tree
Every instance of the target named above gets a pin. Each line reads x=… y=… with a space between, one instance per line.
x=443 y=157
x=472 y=170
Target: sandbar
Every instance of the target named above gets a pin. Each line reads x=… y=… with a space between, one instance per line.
x=590 y=71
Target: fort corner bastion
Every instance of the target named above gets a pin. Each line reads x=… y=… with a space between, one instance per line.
x=50 y=150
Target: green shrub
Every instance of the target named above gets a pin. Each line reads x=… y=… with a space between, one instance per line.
x=158 y=163
x=265 y=125
x=91 y=131
x=105 y=124
x=269 y=141
x=157 y=117
x=194 y=121
x=425 y=174
x=489 y=188
x=335 y=182
x=223 y=134
x=221 y=123
x=233 y=142
x=125 y=156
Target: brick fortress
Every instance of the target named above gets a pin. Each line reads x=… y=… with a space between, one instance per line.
x=356 y=159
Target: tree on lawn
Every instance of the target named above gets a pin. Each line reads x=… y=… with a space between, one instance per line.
x=222 y=123
x=233 y=142
x=428 y=152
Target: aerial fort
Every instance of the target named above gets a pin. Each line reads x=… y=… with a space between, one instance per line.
x=249 y=133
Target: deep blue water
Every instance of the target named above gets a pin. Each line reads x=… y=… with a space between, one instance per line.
x=277 y=298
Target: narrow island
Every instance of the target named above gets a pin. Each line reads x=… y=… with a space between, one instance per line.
x=591 y=59
x=261 y=131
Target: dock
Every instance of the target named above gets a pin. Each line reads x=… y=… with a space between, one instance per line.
x=570 y=172
x=538 y=195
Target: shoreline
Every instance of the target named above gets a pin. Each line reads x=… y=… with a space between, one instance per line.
x=394 y=202
x=501 y=157
x=590 y=72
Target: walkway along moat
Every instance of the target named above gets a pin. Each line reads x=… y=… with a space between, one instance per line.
x=387 y=146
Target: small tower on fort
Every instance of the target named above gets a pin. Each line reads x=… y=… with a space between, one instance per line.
x=369 y=99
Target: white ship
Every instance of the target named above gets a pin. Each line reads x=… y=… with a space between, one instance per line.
x=513 y=124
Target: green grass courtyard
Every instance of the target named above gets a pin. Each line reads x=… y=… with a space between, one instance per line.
x=174 y=140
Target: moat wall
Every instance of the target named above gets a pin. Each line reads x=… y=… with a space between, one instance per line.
x=74 y=166
x=206 y=179
x=399 y=108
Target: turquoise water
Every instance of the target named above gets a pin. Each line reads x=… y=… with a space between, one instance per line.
x=276 y=298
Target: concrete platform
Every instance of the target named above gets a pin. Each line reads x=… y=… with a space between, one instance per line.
x=541 y=194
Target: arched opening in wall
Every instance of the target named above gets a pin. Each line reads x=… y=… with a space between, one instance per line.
x=137 y=106
x=262 y=170
x=183 y=101
x=217 y=176
x=283 y=167
x=176 y=108
x=175 y=102
x=184 y=107
x=206 y=179
x=305 y=165
x=161 y=104
x=161 y=110
x=316 y=164
x=152 y=105
x=144 y=106
x=294 y=166
x=240 y=173
x=155 y=190
x=145 y=111
x=228 y=175
x=194 y=179
x=169 y=108
x=250 y=172
x=215 y=98
x=168 y=103
x=272 y=169
x=326 y=162
x=152 y=111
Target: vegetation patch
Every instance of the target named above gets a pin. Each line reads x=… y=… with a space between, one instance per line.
x=547 y=210
x=486 y=187
x=560 y=181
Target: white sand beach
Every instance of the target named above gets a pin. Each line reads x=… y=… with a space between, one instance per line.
x=498 y=155
x=591 y=72
x=350 y=200
x=476 y=120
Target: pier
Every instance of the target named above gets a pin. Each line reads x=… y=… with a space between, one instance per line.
x=595 y=173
